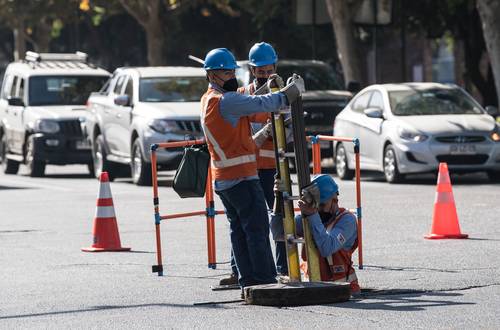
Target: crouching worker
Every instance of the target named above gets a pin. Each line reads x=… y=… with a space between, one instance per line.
x=334 y=230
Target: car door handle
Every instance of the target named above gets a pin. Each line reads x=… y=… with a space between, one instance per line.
x=118 y=115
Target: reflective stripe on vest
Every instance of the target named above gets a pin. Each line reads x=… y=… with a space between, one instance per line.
x=224 y=161
x=266 y=153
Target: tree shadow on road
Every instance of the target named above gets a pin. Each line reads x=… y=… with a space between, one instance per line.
x=105 y=308
x=402 y=300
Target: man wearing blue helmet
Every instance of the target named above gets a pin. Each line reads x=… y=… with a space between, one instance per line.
x=226 y=125
x=262 y=61
x=334 y=230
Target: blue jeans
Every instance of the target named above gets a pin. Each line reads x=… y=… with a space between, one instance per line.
x=266 y=177
x=249 y=223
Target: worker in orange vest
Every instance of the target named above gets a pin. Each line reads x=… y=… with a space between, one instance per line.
x=262 y=60
x=226 y=125
x=334 y=230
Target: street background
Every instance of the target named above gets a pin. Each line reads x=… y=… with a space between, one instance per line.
x=47 y=282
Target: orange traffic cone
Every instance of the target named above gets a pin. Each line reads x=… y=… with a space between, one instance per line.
x=105 y=228
x=445 y=220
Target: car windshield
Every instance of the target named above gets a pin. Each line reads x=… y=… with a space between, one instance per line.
x=172 y=89
x=63 y=90
x=435 y=101
x=316 y=76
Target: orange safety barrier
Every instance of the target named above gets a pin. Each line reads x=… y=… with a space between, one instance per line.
x=209 y=212
x=316 y=155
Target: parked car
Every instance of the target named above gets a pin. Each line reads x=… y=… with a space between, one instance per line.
x=324 y=98
x=412 y=127
x=42 y=111
x=140 y=106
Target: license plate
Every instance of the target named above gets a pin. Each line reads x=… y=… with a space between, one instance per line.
x=463 y=149
x=82 y=144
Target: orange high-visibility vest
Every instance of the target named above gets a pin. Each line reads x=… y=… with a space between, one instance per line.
x=265 y=155
x=232 y=149
x=338 y=266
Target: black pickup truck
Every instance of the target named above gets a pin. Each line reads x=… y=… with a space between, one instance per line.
x=324 y=98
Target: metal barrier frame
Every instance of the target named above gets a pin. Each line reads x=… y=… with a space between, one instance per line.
x=209 y=212
x=316 y=156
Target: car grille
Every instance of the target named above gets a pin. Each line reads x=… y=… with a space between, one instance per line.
x=71 y=128
x=189 y=126
x=460 y=139
x=319 y=116
x=462 y=159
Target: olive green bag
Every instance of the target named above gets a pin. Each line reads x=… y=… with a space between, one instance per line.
x=191 y=177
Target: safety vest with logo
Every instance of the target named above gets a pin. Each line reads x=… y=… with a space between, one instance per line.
x=265 y=155
x=338 y=266
x=232 y=149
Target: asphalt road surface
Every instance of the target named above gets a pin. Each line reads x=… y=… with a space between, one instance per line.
x=47 y=282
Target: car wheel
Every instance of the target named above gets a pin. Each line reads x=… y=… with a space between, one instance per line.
x=341 y=164
x=8 y=166
x=139 y=168
x=90 y=167
x=494 y=176
x=101 y=164
x=391 y=170
x=36 y=168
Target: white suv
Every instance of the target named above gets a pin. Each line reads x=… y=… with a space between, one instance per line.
x=42 y=111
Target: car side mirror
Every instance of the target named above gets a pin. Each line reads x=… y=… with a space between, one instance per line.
x=492 y=110
x=123 y=100
x=15 y=101
x=353 y=86
x=374 y=113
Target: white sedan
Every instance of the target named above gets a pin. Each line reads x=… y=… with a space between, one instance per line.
x=412 y=127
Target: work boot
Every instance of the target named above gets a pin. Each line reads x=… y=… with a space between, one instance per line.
x=231 y=280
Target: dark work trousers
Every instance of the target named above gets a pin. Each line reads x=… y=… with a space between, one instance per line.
x=246 y=211
x=266 y=177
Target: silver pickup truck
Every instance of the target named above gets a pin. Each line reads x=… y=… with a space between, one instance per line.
x=140 y=106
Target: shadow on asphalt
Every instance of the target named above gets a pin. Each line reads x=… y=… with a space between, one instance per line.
x=401 y=300
x=400 y=269
x=105 y=308
x=12 y=188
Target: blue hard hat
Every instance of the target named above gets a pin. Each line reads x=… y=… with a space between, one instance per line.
x=262 y=54
x=220 y=59
x=326 y=185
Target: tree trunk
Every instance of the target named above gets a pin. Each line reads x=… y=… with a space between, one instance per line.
x=19 y=41
x=154 y=39
x=42 y=37
x=344 y=36
x=489 y=11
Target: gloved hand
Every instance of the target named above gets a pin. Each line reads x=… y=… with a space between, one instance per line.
x=294 y=88
x=309 y=202
x=263 y=134
x=275 y=81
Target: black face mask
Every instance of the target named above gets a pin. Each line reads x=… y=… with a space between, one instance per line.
x=231 y=85
x=325 y=216
x=261 y=81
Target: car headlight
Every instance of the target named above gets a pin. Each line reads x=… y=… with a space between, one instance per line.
x=47 y=126
x=163 y=125
x=495 y=134
x=412 y=136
